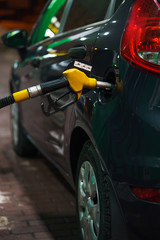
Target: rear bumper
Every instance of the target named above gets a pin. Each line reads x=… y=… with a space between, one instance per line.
x=142 y=218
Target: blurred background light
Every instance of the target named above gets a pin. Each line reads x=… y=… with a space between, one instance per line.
x=15 y=14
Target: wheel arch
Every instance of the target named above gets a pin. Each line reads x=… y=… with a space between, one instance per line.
x=78 y=138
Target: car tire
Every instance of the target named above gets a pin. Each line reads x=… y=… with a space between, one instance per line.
x=22 y=146
x=92 y=196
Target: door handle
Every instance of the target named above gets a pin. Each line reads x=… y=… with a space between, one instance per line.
x=77 y=52
x=36 y=62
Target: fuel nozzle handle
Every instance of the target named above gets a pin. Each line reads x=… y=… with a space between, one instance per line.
x=79 y=80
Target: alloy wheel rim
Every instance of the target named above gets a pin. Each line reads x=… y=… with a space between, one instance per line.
x=88 y=202
x=14 y=122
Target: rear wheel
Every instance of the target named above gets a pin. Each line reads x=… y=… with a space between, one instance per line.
x=92 y=197
x=22 y=146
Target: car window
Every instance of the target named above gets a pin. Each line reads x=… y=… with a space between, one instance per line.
x=49 y=22
x=86 y=12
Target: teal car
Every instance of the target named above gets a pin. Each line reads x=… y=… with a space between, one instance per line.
x=107 y=144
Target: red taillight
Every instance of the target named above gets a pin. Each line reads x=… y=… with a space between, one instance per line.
x=140 y=45
x=147 y=194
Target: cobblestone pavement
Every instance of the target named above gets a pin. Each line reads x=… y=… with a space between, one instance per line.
x=34 y=201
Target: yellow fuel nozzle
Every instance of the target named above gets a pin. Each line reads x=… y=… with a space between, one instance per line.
x=79 y=80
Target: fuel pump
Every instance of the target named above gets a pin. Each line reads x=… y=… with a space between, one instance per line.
x=75 y=79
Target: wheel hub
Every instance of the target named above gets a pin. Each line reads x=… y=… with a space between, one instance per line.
x=89 y=208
